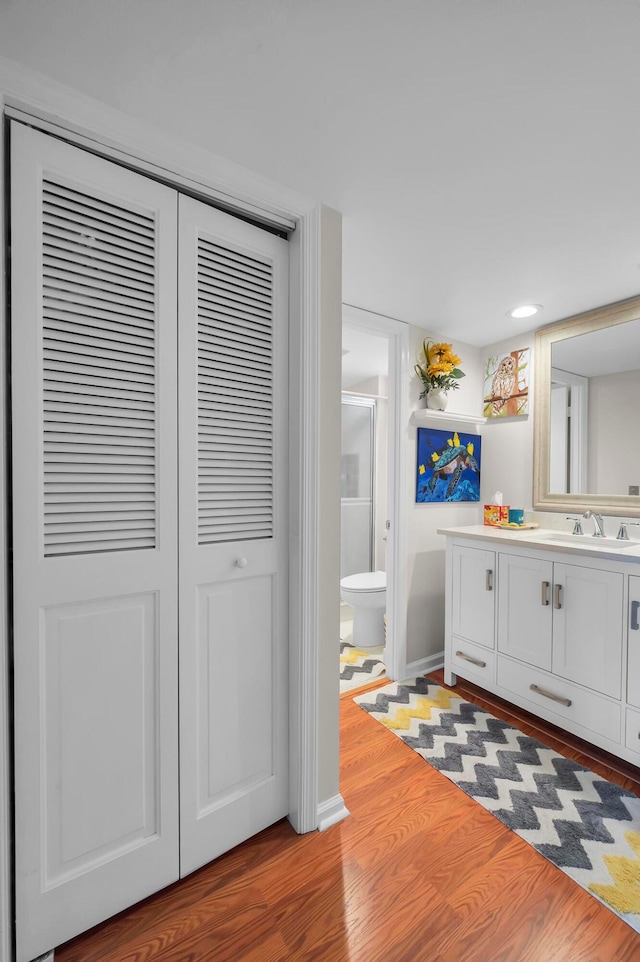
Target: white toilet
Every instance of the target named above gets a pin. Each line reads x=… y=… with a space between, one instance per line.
x=367 y=595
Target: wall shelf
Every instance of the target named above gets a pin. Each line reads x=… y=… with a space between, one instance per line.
x=425 y=417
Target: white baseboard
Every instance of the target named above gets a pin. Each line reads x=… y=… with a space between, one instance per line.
x=331 y=812
x=424 y=665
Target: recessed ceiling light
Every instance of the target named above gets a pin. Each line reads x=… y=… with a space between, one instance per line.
x=525 y=310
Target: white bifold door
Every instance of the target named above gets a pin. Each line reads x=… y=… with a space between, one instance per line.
x=149 y=425
x=232 y=532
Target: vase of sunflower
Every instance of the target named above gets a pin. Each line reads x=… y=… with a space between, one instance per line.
x=439 y=373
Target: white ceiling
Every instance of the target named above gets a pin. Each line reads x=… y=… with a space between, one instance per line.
x=484 y=153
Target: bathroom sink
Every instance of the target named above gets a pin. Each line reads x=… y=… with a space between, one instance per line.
x=588 y=541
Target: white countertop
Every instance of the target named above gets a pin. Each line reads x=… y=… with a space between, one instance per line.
x=549 y=539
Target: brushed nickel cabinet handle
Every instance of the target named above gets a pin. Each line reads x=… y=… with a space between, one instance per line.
x=556 y=596
x=548 y=694
x=545 y=593
x=489 y=580
x=474 y=661
x=634 y=615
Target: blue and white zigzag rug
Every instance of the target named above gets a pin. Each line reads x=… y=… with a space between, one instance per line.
x=588 y=827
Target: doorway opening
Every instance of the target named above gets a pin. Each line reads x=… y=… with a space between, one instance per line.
x=373 y=489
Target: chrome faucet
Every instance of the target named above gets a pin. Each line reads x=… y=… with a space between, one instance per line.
x=577 y=526
x=598 y=523
x=623 y=534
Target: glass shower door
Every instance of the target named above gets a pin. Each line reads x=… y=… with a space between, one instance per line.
x=357 y=484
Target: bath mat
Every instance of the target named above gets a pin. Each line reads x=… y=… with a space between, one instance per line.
x=588 y=827
x=359 y=667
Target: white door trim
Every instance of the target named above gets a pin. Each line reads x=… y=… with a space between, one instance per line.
x=397 y=333
x=126 y=139
x=6 y=908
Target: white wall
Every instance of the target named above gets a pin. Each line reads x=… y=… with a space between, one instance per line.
x=613 y=460
x=507 y=443
x=507 y=466
x=425 y=548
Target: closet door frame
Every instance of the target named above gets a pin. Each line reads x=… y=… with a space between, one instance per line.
x=314 y=288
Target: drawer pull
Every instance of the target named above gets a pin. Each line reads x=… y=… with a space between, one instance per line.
x=548 y=694
x=556 y=596
x=489 y=580
x=474 y=661
x=544 y=599
x=634 y=615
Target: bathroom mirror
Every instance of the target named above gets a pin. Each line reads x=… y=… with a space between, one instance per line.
x=586 y=450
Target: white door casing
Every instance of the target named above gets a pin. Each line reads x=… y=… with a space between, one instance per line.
x=94 y=457
x=233 y=431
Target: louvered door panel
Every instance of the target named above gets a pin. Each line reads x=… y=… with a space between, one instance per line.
x=233 y=531
x=94 y=398
x=99 y=347
x=235 y=395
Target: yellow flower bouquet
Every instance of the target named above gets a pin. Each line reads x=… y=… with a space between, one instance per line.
x=440 y=371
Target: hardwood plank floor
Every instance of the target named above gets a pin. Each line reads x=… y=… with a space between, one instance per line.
x=419 y=872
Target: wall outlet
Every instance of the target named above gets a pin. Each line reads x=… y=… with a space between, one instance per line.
x=634 y=489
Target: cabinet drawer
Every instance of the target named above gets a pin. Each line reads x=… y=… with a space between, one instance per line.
x=587 y=709
x=632 y=730
x=472 y=661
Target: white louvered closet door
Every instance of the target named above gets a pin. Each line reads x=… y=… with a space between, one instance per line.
x=233 y=388
x=95 y=541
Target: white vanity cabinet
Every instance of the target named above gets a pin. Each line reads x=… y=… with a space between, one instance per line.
x=588 y=622
x=565 y=618
x=633 y=651
x=555 y=631
x=524 y=608
x=473 y=615
x=473 y=611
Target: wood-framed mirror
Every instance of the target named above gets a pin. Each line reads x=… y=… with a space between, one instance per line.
x=586 y=447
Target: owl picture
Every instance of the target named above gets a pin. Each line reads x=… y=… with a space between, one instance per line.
x=506 y=384
x=503 y=382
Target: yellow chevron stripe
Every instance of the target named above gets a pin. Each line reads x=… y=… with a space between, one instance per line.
x=624 y=894
x=401 y=719
x=350 y=655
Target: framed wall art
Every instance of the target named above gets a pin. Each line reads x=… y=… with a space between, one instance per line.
x=506 y=385
x=448 y=466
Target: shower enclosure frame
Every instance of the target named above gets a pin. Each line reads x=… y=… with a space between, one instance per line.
x=361 y=400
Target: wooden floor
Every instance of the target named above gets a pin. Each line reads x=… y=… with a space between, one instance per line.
x=418 y=873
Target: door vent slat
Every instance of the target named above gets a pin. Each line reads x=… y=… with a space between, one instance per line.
x=235 y=395
x=99 y=378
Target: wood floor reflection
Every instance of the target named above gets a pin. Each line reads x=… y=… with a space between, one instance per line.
x=418 y=873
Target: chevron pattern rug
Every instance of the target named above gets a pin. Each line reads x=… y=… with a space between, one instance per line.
x=358 y=668
x=588 y=827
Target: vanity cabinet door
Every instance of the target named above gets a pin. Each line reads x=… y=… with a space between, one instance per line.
x=524 y=609
x=588 y=626
x=473 y=595
x=633 y=652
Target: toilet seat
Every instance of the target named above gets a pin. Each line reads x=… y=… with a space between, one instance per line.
x=369 y=581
